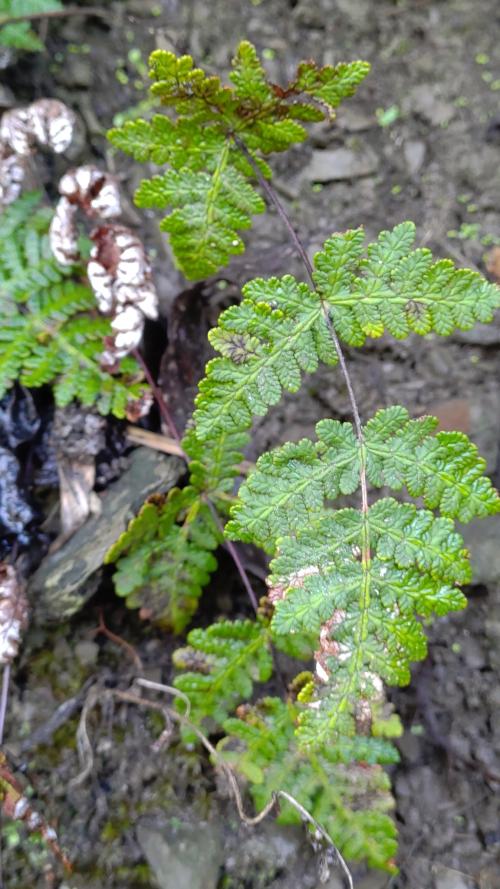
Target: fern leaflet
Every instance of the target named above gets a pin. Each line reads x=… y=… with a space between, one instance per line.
x=280 y=330
x=290 y=484
x=165 y=557
x=364 y=606
x=19 y=35
x=391 y=287
x=224 y=661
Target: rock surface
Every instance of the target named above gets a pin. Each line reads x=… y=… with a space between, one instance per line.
x=67 y=578
x=341 y=163
x=186 y=856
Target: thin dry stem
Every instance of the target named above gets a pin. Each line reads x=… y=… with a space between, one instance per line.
x=170 y=715
x=169 y=422
x=118 y=640
x=4 y=697
x=235 y=557
x=140 y=436
x=160 y=401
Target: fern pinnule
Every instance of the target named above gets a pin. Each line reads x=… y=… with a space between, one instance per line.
x=223 y=662
x=19 y=35
x=389 y=286
x=290 y=484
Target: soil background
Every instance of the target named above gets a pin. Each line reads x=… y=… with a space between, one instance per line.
x=421 y=140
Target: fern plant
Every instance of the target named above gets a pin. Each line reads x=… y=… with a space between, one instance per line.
x=49 y=329
x=350 y=587
x=19 y=34
x=208 y=185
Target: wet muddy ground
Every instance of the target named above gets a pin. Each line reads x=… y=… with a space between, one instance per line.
x=422 y=141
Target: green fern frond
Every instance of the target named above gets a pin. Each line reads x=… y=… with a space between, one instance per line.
x=207 y=186
x=353 y=587
x=391 y=287
x=280 y=331
x=350 y=801
x=165 y=557
x=208 y=211
x=224 y=661
x=25 y=208
x=290 y=484
x=19 y=35
x=325 y=577
x=267 y=342
x=48 y=330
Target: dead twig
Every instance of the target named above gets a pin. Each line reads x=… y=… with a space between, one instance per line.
x=44 y=733
x=139 y=436
x=83 y=744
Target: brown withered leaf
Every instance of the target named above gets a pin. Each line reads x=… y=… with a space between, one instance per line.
x=13 y=612
x=78 y=436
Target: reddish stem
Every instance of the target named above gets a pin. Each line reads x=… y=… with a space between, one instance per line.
x=158 y=396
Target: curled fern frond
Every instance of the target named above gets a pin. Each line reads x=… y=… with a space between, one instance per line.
x=207 y=186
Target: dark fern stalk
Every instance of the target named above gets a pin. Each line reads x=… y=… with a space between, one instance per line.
x=348 y=588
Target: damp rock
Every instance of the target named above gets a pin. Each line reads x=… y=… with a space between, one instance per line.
x=187 y=855
x=19 y=420
x=414 y=153
x=425 y=101
x=481 y=539
x=448 y=878
x=87 y=652
x=15 y=512
x=341 y=163
x=67 y=578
